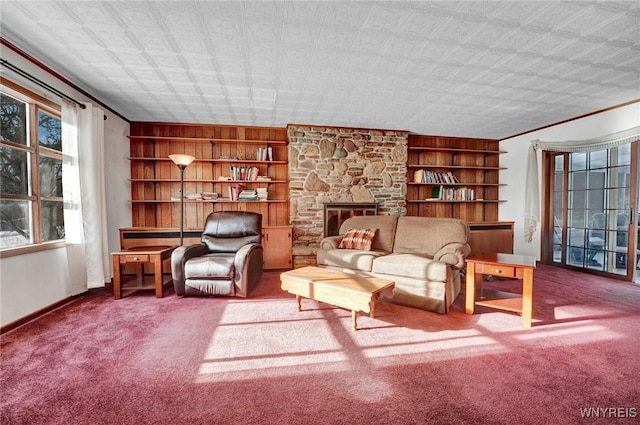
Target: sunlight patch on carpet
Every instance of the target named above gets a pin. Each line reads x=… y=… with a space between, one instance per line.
x=570 y=333
x=579 y=311
x=255 y=342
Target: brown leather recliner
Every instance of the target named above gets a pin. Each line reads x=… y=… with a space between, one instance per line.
x=228 y=261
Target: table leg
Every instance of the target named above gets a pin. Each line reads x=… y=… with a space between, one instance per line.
x=117 y=291
x=157 y=272
x=373 y=307
x=527 y=297
x=354 y=320
x=470 y=288
x=298 y=303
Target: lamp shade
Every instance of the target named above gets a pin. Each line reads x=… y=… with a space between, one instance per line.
x=181 y=159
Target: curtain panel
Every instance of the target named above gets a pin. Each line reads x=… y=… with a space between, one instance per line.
x=84 y=197
x=532 y=195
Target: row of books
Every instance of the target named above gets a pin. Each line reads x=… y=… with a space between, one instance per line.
x=426 y=176
x=264 y=154
x=243 y=173
x=238 y=193
x=442 y=193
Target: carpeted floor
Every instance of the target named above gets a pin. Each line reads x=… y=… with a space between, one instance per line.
x=142 y=360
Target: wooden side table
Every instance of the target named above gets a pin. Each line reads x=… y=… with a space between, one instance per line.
x=504 y=265
x=155 y=255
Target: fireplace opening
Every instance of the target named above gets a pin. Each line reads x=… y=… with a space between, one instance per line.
x=335 y=213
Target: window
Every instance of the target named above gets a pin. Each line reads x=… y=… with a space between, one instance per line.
x=592 y=202
x=31 y=205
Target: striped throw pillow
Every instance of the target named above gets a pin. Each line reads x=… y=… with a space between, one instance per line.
x=358 y=239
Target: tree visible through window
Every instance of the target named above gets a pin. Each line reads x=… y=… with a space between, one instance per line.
x=31 y=205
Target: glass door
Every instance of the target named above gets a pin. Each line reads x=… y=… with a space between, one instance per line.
x=593 y=205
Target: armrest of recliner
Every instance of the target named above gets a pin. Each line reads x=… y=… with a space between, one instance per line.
x=454 y=254
x=331 y=242
x=248 y=265
x=178 y=259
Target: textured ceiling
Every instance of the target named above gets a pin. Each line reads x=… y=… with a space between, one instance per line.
x=472 y=68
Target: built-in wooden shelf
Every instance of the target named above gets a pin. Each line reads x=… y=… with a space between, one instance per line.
x=155 y=179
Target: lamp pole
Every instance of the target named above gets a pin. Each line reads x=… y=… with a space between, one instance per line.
x=182 y=161
x=182 y=167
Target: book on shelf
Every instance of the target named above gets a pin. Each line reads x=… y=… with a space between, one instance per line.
x=248 y=195
x=262 y=193
x=264 y=154
x=243 y=173
x=443 y=193
x=234 y=191
x=427 y=176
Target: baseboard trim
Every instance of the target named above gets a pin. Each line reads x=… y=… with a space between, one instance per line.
x=36 y=314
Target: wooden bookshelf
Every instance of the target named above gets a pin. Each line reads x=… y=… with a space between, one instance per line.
x=469 y=169
x=155 y=179
x=474 y=165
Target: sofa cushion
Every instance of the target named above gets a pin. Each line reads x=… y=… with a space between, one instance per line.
x=416 y=266
x=355 y=259
x=358 y=239
x=386 y=225
x=426 y=235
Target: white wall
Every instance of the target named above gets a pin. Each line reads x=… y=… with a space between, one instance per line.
x=515 y=160
x=31 y=282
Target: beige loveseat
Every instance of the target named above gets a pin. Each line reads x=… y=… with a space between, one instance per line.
x=422 y=255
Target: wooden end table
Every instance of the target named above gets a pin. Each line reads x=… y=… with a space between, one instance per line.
x=155 y=255
x=345 y=290
x=503 y=265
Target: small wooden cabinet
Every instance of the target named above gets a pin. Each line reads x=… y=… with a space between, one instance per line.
x=277 y=243
x=491 y=237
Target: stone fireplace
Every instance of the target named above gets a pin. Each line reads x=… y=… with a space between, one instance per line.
x=341 y=165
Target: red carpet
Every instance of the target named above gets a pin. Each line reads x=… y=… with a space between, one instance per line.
x=142 y=360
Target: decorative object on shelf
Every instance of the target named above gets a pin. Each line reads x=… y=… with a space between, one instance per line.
x=182 y=161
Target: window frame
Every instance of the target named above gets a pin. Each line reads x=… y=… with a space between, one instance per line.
x=35 y=103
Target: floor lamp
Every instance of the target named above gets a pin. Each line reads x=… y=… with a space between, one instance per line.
x=182 y=161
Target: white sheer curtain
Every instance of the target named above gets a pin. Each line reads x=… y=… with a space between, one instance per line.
x=84 y=196
x=532 y=196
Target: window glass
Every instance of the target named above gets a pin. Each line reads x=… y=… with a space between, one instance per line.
x=14 y=171
x=622 y=155
x=598 y=159
x=49 y=131
x=15 y=226
x=577 y=161
x=50 y=177
x=13 y=120
x=52 y=219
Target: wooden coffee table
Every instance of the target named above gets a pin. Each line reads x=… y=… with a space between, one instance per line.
x=155 y=255
x=503 y=265
x=345 y=290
